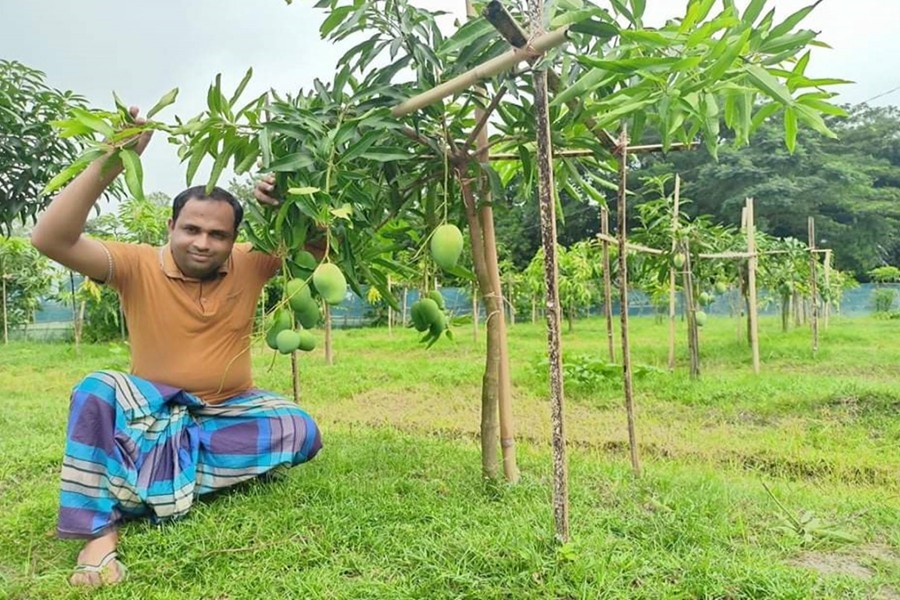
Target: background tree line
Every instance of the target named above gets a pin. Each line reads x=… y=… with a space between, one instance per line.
x=850 y=185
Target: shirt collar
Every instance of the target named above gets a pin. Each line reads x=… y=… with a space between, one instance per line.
x=170 y=268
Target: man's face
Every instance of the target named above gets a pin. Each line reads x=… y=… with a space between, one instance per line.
x=202 y=238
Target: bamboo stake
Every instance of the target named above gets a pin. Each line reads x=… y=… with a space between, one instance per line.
x=403 y=315
x=752 y=310
x=813 y=272
x=672 y=275
x=5 y=317
x=485 y=70
x=390 y=315
x=295 y=377
x=329 y=359
x=474 y=315
x=607 y=283
x=826 y=305
x=548 y=239
x=622 y=209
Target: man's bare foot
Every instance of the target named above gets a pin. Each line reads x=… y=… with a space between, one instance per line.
x=97 y=563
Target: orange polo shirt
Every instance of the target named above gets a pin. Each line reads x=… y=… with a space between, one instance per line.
x=188 y=333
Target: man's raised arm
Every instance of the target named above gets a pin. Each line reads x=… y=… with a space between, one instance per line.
x=58 y=231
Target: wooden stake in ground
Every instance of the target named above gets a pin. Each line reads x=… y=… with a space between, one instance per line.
x=329 y=359
x=295 y=377
x=672 y=274
x=390 y=315
x=622 y=209
x=813 y=283
x=752 y=263
x=5 y=317
x=826 y=303
x=548 y=240
x=607 y=282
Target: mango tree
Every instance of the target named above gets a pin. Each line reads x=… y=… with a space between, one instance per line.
x=25 y=278
x=32 y=152
x=337 y=143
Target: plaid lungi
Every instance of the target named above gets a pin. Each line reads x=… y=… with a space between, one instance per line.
x=137 y=448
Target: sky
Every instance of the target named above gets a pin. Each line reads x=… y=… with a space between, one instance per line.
x=141 y=50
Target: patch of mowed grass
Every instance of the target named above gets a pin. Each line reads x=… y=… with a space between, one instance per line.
x=382 y=514
x=395 y=506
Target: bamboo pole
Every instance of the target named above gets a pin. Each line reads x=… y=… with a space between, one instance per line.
x=672 y=274
x=390 y=315
x=622 y=210
x=504 y=391
x=295 y=377
x=752 y=311
x=813 y=285
x=574 y=153
x=826 y=304
x=607 y=283
x=486 y=70
x=548 y=239
x=5 y=316
x=474 y=315
x=329 y=358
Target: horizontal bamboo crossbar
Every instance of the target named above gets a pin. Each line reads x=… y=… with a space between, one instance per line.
x=657 y=252
x=506 y=61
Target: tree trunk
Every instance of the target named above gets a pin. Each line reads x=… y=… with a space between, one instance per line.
x=490 y=380
x=785 y=312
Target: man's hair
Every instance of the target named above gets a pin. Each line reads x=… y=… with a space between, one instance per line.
x=198 y=192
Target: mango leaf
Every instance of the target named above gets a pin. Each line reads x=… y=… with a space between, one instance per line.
x=790 y=128
x=165 y=101
x=303 y=191
x=240 y=88
x=134 y=172
x=292 y=162
x=93 y=122
x=769 y=84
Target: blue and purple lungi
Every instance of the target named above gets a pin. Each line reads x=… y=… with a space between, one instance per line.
x=136 y=448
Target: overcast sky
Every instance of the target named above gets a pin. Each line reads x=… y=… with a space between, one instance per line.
x=143 y=49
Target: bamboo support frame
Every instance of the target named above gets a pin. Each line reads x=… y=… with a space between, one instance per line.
x=826 y=304
x=752 y=310
x=675 y=208
x=486 y=70
x=548 y=239
x=295 y=377
x=575 y=153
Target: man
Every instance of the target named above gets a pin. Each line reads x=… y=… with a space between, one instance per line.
x=187 y=420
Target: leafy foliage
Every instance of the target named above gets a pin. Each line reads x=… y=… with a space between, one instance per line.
x=26 y=275
x=31 y=150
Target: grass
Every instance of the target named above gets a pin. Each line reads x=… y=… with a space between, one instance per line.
x=395 y=506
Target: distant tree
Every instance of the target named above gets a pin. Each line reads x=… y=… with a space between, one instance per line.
x=24 y=279
x=31 y=149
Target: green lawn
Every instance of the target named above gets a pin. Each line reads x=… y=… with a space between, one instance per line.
x=395 y=506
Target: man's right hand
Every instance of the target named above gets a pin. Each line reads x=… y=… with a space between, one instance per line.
x=264 y=191
x=58 y=231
